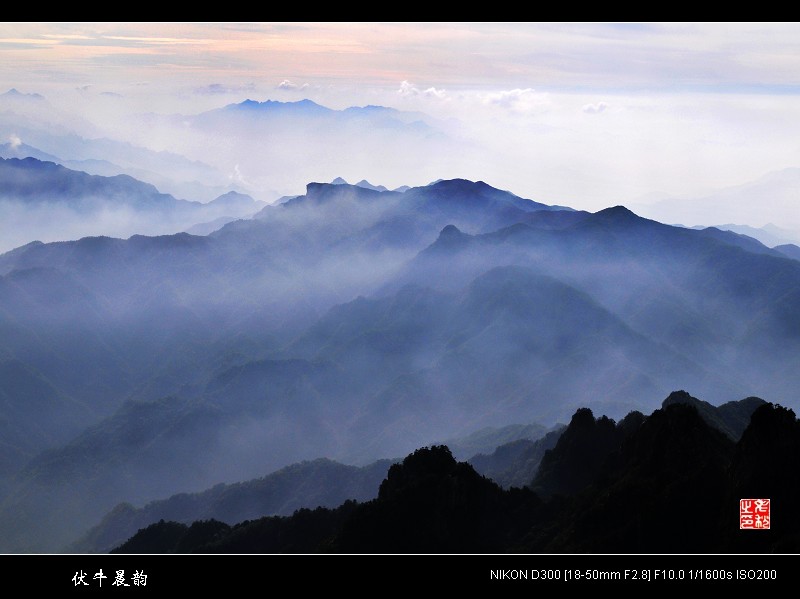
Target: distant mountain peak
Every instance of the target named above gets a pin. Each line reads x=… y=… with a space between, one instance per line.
x=617 y=215
x=233 y=198
x=233 y=194
x=616 y=212
x=306 y=102
x=730 y=418
x=678 y=397
x=458 y=184
x=461 y=184
x=451 y=232
x=458 y=188
x=275 y=105
x=371 y=108
x=23 y=150
x=323 y=192
x=789 y=250
x=367 y=185
x=363 y=183
x=14 y=93
x=450 y=238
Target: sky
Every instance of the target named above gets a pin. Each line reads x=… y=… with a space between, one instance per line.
x=585 y=114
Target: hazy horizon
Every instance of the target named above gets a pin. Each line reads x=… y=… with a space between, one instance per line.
x=588 y=115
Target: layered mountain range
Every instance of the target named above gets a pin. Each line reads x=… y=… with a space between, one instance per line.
x=357 y=324
x=669 y=482
x=571 y=456
x=45 y=201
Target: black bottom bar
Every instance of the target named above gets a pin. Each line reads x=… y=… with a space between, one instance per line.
x=382 y=573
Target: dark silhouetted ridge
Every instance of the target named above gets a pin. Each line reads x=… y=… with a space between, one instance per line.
x=666 y=483
x=767 y=466
x=730 y=418
x=431 y=503
x=578 y=456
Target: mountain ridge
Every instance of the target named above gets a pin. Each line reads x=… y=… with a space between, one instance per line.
x=657 y=467
x=329 y=319
x=51 y=202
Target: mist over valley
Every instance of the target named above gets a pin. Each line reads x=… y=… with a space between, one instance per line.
x=254 y=302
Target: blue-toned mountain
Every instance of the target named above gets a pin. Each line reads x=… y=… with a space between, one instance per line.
x=364 y=323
